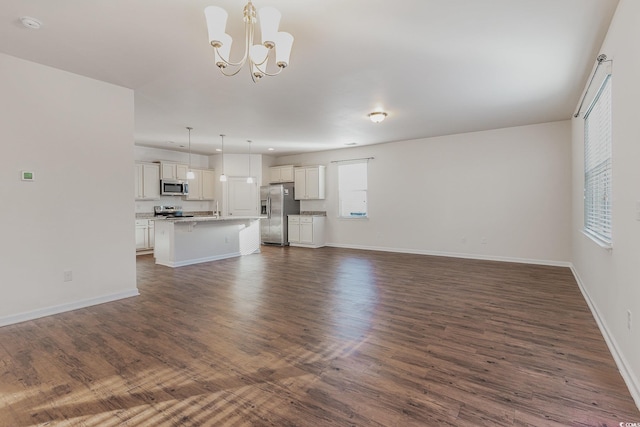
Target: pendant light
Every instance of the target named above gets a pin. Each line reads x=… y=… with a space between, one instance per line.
x=249 y=178
x=223 y=177
x=190 y=174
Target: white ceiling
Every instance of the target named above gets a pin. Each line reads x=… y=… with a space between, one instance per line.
x=436 y=66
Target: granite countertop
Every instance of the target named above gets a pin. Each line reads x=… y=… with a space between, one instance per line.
x=202 y=218
x=151 y=215
x=313 y=213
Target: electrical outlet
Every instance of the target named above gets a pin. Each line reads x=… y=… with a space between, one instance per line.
x=629 y=319
x=68 y=275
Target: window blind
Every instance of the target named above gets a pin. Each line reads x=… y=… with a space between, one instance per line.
x=352 y=190
x=597 y=165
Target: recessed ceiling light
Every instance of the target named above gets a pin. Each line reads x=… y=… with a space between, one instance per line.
x=350 y=143
x=271 y=149
x=30 y=22
x=218 y=149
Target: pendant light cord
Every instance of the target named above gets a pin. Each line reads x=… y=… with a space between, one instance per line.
x=189 y=129
x=223 y=177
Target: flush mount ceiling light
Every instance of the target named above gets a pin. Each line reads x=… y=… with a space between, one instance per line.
x=190 y=173
x=30 y=22
x=256 y=54
x=377 y=116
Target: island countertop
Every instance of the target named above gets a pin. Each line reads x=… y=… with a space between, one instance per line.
x=197 y=218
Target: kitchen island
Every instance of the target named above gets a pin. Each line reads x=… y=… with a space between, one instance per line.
x=185 y=241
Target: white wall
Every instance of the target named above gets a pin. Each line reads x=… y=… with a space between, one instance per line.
x=611 y=279
x=76 y=134
x=446 y=195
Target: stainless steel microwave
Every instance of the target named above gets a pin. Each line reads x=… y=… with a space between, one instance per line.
x=170 y=187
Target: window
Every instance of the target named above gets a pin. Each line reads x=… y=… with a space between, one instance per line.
x=352 y=190
x=597 y=166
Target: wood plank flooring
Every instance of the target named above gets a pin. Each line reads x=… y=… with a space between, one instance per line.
x=324 y=337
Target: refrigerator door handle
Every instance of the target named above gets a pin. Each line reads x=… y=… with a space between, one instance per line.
x=269 y=207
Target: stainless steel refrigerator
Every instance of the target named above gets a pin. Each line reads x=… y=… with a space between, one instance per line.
x=276 y=202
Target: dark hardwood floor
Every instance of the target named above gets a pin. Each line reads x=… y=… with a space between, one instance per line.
x=324 y=337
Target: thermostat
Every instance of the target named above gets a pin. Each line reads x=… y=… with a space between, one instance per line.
x=28 y=176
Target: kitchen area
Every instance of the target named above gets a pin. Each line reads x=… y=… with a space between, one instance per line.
x=185 y=221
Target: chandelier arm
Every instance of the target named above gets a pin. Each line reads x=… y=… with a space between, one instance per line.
x=265 y=72
x=237 y=70
x=229 y=63
x=248 y=40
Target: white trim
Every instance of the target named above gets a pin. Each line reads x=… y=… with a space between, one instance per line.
x=630 y=379
x=592 y=236
x=174 y=264
x=57 y=309
x=305 y=245
x=455 y=255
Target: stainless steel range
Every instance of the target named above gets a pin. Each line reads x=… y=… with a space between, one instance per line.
x=170 y=212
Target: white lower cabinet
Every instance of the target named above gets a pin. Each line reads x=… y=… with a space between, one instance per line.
x=293 y=229
x=306 y=230
x=152 y=234
x=145 y=235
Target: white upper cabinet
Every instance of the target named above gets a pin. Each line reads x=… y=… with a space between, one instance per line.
x=208 y=184
x=309 y=182
x=279 y=174
x=170 y=170
x=147 y=181
x=202 y=187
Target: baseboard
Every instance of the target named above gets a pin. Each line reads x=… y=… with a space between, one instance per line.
x=455 y=255
x=632 y=381
x=175 y=264
x=48 y=311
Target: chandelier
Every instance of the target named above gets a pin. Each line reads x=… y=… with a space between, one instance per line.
x=256 y=54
